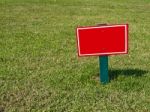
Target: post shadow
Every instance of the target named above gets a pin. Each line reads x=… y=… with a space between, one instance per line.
x=113 y=74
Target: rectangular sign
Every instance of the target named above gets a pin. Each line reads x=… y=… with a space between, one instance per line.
x=102 y=40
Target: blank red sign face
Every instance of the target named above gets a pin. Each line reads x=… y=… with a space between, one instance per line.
x=102 y=40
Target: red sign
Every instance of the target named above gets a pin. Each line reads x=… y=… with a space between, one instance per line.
x=102 y=40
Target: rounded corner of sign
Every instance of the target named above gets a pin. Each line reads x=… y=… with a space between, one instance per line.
x=125 y=52
x=77 y=30
x=127 y=24
x=80 y=55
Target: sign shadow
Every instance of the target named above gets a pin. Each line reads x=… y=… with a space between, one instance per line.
x=113 y=74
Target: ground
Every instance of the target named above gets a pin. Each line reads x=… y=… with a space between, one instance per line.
x=39 y=66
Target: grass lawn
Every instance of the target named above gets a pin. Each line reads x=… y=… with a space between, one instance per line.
x=39 y=67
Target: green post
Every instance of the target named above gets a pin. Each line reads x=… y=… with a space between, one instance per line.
x=104 y=78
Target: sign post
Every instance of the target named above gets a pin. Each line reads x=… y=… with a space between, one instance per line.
x=102 y=40
x=103 y=60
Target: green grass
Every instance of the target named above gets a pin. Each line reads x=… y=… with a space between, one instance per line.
x=39 y=67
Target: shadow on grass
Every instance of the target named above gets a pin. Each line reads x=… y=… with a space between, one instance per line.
x=113 y=74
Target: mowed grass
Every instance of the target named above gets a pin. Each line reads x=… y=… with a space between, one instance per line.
x=39 y=66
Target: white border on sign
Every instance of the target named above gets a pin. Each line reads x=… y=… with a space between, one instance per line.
x=110 y=53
